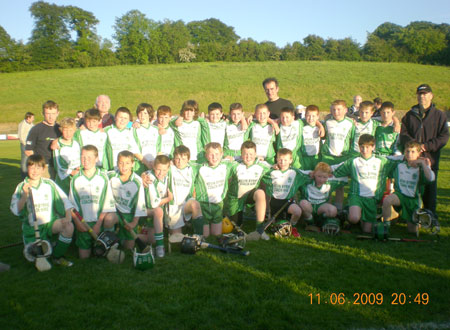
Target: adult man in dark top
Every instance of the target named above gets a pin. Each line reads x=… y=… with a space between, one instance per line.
x=275 y=103
x=428 y=126
x=41 y=136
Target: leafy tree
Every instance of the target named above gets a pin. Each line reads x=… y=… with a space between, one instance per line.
x=315 y=47
x=211 y=30
x=173 y=37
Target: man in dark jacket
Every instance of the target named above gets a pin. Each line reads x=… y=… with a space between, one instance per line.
x=428 y=126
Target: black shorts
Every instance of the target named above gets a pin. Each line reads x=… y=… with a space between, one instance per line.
x=276 y=204
x=238 y=217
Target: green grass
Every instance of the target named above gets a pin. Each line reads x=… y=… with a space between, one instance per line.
x=209 y=290
x=302 y=82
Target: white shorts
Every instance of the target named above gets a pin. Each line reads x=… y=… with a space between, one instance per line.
x=177 y=215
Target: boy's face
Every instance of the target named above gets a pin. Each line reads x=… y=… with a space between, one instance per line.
x=286 y=118
x=236 y=115
x=50 y=116
x=164 y=119
x=188 y=115
x=35 y=171
x=68 y=132
x=366 y=150
x=215 y=115
x=248 y=156
x=180 y=161
x=92 y=124
x=30 y=119
x=386 y=115
x=262 y=115
x=338 y=111
x=122 y=120
x=312 y=117
x=320 y=177
x=411 y=154
x=144 y=117
x=365 y=114
x=88 y=159
x=284 y=161
x=161 y=170
x=214 y=156
x=125 y=165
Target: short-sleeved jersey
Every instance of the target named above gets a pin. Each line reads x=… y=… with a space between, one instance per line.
x=368 y=176
x=66 y=158
x=263 y=137
x=156 y=191
x=50 y=203
x=319 y=195
x=216 y=132
x=182 y=183
x=234 y=137
x=118 y=140
x=147 y=141
x=92 y=196
x=339 y=137
x=290 y=137
x=129 y=196
x=311 y=140
x=245 y=178
x=166 y=142
x=211 y=184
x=98 y=139
x=361 y=128
x=284 y=184
x=386 y=140
x=408 y=180
x=190 y=134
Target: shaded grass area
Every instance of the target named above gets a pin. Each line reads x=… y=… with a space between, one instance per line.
x=271 y=288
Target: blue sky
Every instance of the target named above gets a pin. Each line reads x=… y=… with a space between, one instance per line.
x=282 y=21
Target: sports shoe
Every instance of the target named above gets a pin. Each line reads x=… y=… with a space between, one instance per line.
x=264 y=236
x=62 y=262
x=295 y=232
x=160 y=252
x=253 y=236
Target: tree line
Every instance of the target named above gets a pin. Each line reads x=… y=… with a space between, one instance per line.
x=66 y=37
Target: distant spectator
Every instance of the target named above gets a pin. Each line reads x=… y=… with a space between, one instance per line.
x=377 y=102
x=353 y=110
x=22 y=132
x=78 y=118
x=274 y=102
x=300 y=112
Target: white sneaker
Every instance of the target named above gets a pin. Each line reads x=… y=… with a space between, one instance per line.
x=160 y=252
x=264 y=236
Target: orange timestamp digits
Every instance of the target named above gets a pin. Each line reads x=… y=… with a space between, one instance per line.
x=369 y=298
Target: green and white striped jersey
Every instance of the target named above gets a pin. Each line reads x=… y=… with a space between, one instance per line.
x=311 y=140
x=290 y=137
x=190 y=134
x=118 y=140
x=319 y=195
x=284 y=184
x=410 y=181
x=263 y=137
x=92 y=196
x=386 y=140
x=339 y=137
x=147 y=141
x=166 y=142
x=211 y=184
x=361 y=128
x=50 y=203
x=97 y=139
x=129 y=196
x=156 y=191
x=245 y=178
x=234 y=137
x=66 y=158
x=182 y=183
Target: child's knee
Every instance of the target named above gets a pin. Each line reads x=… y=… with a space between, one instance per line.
x=305 y=206
x=259 y=195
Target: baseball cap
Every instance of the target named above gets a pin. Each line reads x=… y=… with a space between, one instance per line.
x=424 y=88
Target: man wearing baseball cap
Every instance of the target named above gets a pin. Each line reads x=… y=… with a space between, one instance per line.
x=428 y=126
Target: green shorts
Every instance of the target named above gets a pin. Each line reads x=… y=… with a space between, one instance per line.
x=235 y=205
x=333 y=160
x=84 y=240
x=407 y=206
x=124 y=234
x=368 y=207
x=212 y=213
x=45 y=231
x=309 y=162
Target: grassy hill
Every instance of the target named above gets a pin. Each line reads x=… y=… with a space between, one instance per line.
x=302 y=82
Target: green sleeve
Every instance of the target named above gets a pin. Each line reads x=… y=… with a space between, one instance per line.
x=205 y=136
x=344 y=169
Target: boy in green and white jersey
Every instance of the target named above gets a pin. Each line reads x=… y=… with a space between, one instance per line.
x=410 y=177
x=290 y=135
x=236 y=133
x=386 y=135
x=53 y=209
x=119 y=137
x=91 y=195
x=67 y=156
x=365 y=124
x=245 y=187
x=183 y=207
x=146 y=137
x=190 y=130
x=157 y=196
x=211 y=186
x=166 y=138
x=368 y=175
x=128 y=192
x=216 y=124
x=263 y=132
x=311 y=136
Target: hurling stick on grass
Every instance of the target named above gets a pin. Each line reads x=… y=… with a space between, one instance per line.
x=272 y=219
x=41 y=262
x=205 y=245
x=140 y=244
x=114 y=255
x=396 y=239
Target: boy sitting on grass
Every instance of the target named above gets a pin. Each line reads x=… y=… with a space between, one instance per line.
x=262 y=132
x=236 y=132
x=410 y=176
x=245 y=188
x=53 y=210
x=91 y=195
x=368 y=175
x=67 y=155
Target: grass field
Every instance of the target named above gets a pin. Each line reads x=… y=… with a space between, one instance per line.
x=270 y=289
x=302 y=82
